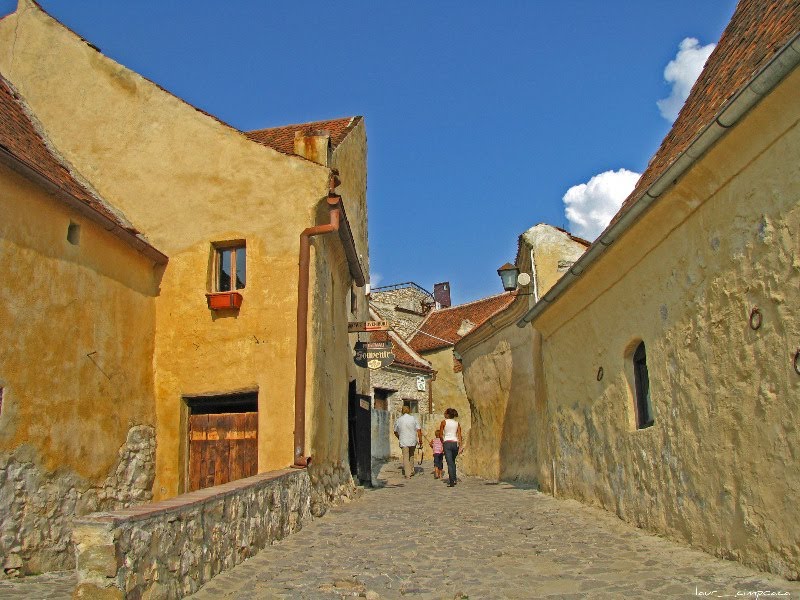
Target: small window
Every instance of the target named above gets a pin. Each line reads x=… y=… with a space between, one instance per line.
x=230 y=268
x=74 y=234
x=644 y=407
x=353 y=299
x=413 y=405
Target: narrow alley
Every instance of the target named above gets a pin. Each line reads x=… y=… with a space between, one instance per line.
x=480 y=539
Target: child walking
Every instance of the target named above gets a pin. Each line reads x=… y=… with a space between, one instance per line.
x=438 y=454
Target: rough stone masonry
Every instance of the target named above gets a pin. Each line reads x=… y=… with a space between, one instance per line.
x=37 y=508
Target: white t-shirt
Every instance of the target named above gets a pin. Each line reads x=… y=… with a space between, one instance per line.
x=407 y=426
x=450 y=433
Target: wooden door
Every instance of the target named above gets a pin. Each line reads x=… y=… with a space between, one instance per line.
x=223 y=447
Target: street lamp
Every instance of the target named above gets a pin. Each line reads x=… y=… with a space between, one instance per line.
x=508 y=275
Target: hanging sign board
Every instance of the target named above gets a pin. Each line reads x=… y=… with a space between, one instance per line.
x=356 y=326
x=373 y=355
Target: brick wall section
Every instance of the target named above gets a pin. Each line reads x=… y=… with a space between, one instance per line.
x=169 y=549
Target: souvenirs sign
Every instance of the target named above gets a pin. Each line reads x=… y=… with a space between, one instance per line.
x=356 y=326
x=373 y=355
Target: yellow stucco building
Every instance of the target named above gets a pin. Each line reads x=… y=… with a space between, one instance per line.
x=659 y=377
x=137 y=337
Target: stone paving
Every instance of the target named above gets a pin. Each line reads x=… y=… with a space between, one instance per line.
x=56 y=586
x=420 y=539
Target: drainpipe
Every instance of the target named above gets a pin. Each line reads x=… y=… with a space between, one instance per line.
x=334 y=200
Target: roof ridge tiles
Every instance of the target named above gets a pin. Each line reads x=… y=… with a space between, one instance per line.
x=756 y=31
x=471 y=302
x=281 y=138
x=349 y=120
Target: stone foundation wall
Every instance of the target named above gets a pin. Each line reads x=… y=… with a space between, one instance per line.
x=169 y=549
x=37 y=508
x=330 y=485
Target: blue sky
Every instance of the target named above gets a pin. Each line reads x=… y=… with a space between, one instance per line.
x=480 y=115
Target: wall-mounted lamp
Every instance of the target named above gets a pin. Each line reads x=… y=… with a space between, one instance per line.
x=511 y=278
x=508 y=275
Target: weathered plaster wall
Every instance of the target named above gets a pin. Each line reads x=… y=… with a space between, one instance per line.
x=448 y=388
x=502 y=371
x=508 y=435
x=719 y=468
x=381 y=433
x=554 y=252
x=188 y=180
x=330 y=366
x=77 y=324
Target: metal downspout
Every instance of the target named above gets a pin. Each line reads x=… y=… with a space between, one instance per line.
x=300 y=460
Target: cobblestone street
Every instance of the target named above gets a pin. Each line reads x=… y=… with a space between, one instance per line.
x=421 y=539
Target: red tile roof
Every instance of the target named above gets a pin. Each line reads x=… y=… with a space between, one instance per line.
x=404 y=355
x=20 y=137
x=440 y=328
x=756 y=31
x=282 y=138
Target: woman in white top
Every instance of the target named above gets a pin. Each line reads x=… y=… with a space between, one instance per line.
x=451 y=438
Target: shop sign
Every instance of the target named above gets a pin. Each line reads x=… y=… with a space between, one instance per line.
x=373 y=355
x=357 y=326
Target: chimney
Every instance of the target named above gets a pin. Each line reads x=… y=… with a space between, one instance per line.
x=313 y=145
x=441 y=293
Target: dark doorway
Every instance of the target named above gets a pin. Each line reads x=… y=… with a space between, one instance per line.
x=359 y=427
x=223 y=439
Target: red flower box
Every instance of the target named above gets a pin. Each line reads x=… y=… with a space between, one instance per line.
x=224 y=300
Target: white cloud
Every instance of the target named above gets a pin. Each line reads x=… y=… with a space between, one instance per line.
x=590 y=206
x=681 y=73
x=375 y=280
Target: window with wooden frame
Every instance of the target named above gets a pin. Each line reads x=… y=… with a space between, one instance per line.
x=230 y=266
x=644 y=407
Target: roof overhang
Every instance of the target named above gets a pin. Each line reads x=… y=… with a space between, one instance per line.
x=130 y=238
x=763 y=82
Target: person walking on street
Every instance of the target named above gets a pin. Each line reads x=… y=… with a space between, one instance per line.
x=438 y=454
x=453 y=444
x=409 y=433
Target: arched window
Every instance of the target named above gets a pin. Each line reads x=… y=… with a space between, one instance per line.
x=644 y=408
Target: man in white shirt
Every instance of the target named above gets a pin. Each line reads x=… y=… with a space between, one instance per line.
x=408 y=431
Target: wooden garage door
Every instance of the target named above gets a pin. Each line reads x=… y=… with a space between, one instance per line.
x=222 y=447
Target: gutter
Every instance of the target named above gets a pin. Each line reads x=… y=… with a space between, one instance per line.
x=338 y=222
x=746 y=98
x=131 y=239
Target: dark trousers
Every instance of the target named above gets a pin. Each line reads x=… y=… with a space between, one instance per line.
x=450 y=453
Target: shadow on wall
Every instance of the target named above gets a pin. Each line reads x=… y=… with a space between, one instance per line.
x=505 y=389
x=523 y=443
